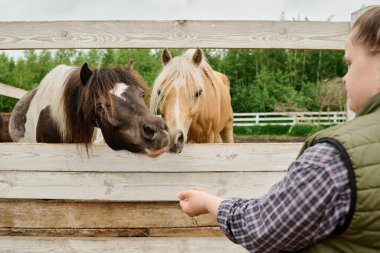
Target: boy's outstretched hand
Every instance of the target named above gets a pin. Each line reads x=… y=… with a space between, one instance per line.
x=196 y=202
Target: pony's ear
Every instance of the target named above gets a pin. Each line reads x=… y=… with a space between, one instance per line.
x=85 y=74
x=130 y=65
x=197 y=56
x=166 y=56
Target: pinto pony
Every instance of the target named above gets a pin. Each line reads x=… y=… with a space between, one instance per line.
x=70 y=103
x=4 y=127
x=193 y=99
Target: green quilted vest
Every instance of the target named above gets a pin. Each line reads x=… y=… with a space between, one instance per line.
x=359 y=141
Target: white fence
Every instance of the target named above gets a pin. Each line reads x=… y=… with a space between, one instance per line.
x=289 y=118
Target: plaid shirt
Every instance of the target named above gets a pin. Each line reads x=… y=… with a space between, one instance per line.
x=300 y=210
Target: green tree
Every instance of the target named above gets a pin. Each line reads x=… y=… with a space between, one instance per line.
x=7 y=67
x=64 y=56
x=261 y=80
x=147 y=62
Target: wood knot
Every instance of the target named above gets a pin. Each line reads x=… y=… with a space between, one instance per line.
x=64 y=34
x=283 y=31
x=181 y=22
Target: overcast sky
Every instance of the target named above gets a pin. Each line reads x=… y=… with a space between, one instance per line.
x=336 y=10
x=315 y=10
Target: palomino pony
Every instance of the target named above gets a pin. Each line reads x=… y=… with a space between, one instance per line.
x=193 y=99
x=71 y=102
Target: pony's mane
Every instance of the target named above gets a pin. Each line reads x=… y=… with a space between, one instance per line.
x=57 y=78
x=179 y=71
x=75 y=116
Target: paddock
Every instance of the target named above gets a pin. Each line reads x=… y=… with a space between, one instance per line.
x=56 y=198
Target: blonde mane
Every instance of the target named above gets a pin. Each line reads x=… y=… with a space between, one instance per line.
x=179 y=71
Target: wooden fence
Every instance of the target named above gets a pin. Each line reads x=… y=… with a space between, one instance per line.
x=55 y=198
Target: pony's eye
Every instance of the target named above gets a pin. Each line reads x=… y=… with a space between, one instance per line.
x=198 y=93
x=142 y=95
x=158 y=92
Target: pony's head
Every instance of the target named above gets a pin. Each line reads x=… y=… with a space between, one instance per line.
x=113 y=100
x=178 y=93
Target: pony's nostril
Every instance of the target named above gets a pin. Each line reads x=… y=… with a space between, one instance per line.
x=178 y=142
x=148 y=130
x=179 y=137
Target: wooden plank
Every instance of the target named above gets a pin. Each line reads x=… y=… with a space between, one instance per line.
x=186 y=232
x=120 y=245
x=38 y=214
x=194 y=158
x=174 y=34
x=134 y=186
x=114 y=232
x=75 y=232
x=10 y=91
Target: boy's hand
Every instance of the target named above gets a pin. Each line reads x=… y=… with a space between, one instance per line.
x=196 y=202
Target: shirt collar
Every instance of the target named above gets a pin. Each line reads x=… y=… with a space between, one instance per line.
x=372 y=104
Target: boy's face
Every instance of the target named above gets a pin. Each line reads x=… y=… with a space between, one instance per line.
x=362 y=80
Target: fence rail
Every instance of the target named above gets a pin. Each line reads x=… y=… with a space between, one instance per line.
x=11 y=91
x=175 y=33
x=289 y=118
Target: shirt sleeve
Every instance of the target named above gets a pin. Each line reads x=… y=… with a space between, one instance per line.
x=302 y=209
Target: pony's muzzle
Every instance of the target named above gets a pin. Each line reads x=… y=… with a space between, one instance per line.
x=178 y=142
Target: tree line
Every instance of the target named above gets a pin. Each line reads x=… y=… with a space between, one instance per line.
x=261 y=80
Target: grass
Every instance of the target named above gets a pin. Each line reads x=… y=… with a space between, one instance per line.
x=275 y=133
